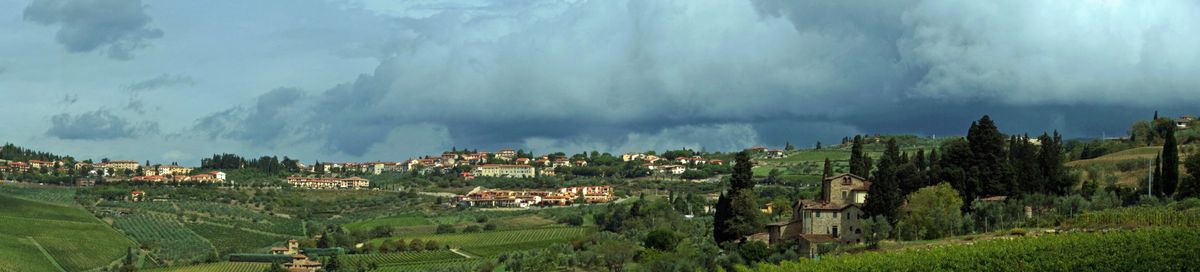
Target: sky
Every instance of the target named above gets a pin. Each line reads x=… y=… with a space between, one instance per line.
x=378 y=80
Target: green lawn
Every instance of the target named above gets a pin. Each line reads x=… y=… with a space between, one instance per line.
x=74 y=238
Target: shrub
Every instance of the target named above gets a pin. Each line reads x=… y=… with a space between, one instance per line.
x=661 y=239
x=445 y=228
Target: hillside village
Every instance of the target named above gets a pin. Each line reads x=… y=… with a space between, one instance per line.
x=806 y=202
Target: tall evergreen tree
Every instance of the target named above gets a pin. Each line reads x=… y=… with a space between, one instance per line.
x=722 y=232
x=857 y=158
x=1054 y=178
x=740 y=218
x=885 y=195
x=1156 y=180
x=954 y=166
x=828 y=169
x=989 y=160
x=1170 y=163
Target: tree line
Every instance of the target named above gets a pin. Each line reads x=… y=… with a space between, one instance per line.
x=267 y=164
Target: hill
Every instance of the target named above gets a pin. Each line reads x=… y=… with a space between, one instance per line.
x=70 y=237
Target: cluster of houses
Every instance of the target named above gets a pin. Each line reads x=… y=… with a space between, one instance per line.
x=480 y=197
x=320 y=183
x=676 y=166
x=507 y=163
x=8 y=166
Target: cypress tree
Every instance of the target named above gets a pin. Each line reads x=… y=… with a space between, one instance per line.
x=989 y=161
x=828 y=171
x=856 y=157
x=884 y=195
x=1170 y=166
x=1156 y=177
x=722 y=232
x=737 y=209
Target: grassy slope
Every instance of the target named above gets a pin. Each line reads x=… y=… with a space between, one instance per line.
x=221 y=266
x=72 y=236
x=1149 y=249
x=487 y=243
x=19 y=254
x=407 y=220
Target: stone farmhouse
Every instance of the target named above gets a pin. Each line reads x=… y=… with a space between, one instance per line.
x=833 y=218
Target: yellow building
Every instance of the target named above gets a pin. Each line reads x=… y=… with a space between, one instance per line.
x=174 y=170
x=121 y=165
x=504 y=170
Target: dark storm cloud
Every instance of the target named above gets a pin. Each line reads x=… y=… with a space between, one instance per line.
x=119 y=27
x=628 y=74
x=160 y=81
x=261 y=123
x=97 y=125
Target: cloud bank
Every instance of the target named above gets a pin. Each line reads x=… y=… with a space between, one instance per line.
x=118 y=27
x=723 y=75
x=97 y=125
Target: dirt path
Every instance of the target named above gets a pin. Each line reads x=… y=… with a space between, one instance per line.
x=455 y=250
x=46 y=253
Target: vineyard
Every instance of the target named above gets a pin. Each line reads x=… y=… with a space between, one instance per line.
x=460 y=265
x=169 y=239
x=406 y=220
x=54 y=195
x=20 y=254
x=1153 y=249
x=1142 y=216
x=145 y=206
x=75 y=239
x=495 y=242
x=233 y=240
x=402 y=258
x=243 y=218
x=221 y=266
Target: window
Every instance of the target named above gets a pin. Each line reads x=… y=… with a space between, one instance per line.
x=835 y=232
x=845 y=195
x=845 y=180
x=835 y=215
x=818 y=214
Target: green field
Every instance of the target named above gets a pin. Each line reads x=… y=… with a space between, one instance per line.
x=1158 y=249
x=20 y=254
x=407 y=220
x=54 y=195
x=465 y=264
x=166 y=237
x=75 y=239
x=233 y=240
x=221 y=266
x=492 y=243
x=383 y=260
